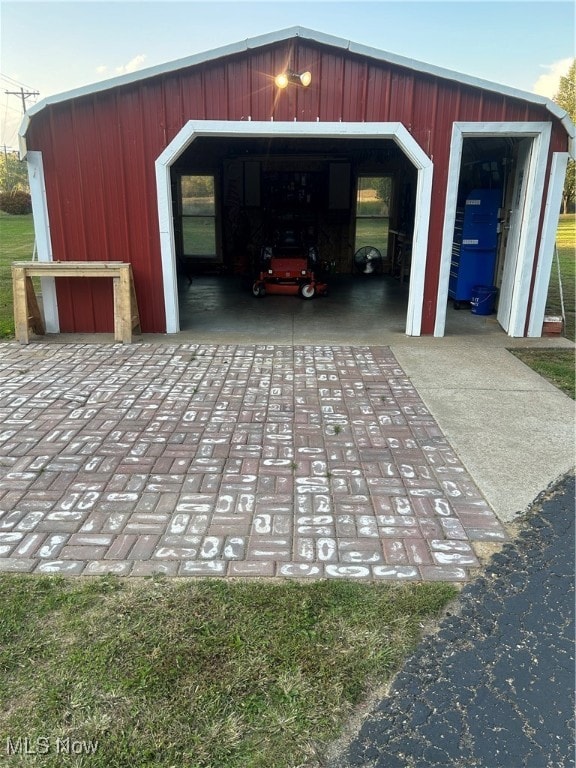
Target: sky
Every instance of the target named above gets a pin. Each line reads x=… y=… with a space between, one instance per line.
x=53 y=47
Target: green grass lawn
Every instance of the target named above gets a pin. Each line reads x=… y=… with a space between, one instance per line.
x=558 y=365
x=566 y=244
x=374 y=233
x=196 y=673
x=16 y=244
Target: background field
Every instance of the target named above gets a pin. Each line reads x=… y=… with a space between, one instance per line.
x=16 y=244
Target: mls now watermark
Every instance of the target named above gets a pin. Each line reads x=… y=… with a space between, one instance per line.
x=44 y=745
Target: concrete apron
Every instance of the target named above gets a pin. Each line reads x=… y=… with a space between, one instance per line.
x=512 y=429
x=79 y=501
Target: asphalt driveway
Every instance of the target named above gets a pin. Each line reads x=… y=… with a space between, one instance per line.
x=494 y=687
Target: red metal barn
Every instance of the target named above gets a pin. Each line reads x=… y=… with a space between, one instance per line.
x=191 y=163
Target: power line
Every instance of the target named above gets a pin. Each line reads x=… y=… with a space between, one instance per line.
x=23 y=95
x=11 y=109
x=12 y=81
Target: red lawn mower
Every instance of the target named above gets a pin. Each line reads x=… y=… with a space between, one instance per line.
x=289 y=267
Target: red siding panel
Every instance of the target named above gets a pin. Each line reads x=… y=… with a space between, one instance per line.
x=378 y=95
x=193 y=99
x=307 y=59
x=215 y=93
x=424 y=106
x=107 y=136
x=401 y=96
x=354 y=91
x=262 y=85
x=173 y=105
x=332 y=79
x=239 y=96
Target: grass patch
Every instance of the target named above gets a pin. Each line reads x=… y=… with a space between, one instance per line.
x=555 y=365
x=202 y=673
x=16 y=244
x=566 y=245
x=558 y=365
x=374 y=233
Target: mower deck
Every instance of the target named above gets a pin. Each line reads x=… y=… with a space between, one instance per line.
x=289 y=276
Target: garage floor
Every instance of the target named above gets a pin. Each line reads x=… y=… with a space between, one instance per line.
x=365 y=310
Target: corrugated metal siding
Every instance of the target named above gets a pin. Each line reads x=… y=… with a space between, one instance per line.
x=99 y=152
x=378 y=94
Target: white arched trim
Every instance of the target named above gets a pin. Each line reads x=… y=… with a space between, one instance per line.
x=222 y=129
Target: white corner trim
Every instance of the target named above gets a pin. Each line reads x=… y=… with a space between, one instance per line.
x=22 y=146
x=547 y=241
x=167 y=245
x=529 y=232
x=540 y=133
x=224 y=128
x=43 y=239
x=454 y=163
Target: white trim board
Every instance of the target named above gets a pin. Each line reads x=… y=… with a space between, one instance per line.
x=540 y=133
x=43 y=240
x=225 y=128
x=547 y=242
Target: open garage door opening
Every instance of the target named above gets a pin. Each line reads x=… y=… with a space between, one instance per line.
x=259 y=212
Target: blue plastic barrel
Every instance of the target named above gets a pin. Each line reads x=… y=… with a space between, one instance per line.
x=483 y=299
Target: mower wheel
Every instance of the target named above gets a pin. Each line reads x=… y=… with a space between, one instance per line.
x=307 y=291
x=258 y=290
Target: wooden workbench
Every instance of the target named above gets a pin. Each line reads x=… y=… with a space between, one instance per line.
x=27 y=312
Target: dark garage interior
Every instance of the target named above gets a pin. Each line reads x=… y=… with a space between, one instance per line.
x=350 y=201
x=260 y=185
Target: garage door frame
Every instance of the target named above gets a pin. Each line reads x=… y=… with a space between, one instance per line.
x=223 y=129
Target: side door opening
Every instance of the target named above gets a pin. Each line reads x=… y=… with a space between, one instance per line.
x=512 y=216
x=510 y=159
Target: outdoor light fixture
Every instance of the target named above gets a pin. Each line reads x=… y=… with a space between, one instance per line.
x=284 y=79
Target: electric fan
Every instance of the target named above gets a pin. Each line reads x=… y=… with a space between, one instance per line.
x=368 y=260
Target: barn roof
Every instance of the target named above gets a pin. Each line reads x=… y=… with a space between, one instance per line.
x=282 y=36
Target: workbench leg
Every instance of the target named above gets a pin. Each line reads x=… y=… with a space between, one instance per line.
x=135 y=315
x=122 y=313
x=34 y=317
x=20 y=299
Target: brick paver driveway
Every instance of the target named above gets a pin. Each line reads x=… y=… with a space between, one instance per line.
x=228 y=460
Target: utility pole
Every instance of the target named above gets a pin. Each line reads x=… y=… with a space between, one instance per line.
x=23 y=95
